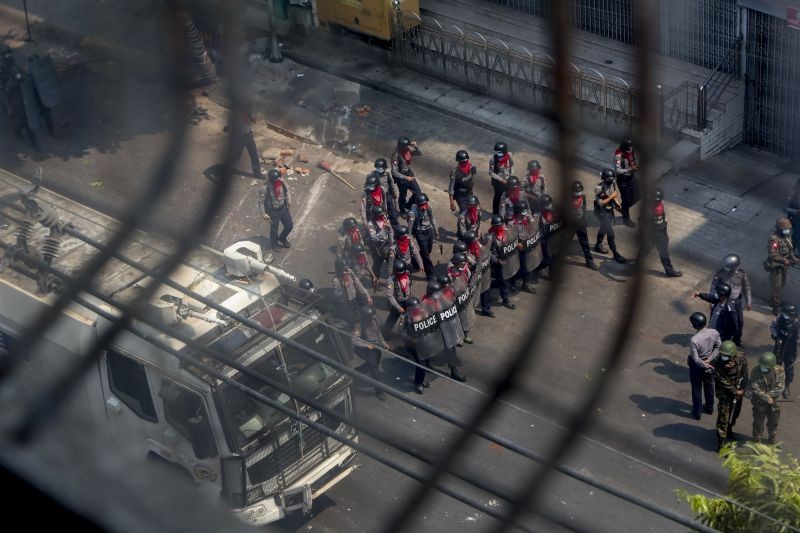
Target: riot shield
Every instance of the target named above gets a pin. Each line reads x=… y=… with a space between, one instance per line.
x=465 y=291
x=447 y=314
x=45 y=80
x=552 y=236
x=530 y=237
x=508 y=253
x=421 y=328
x=483 y=269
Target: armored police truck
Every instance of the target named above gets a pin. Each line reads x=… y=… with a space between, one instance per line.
x=264 y=462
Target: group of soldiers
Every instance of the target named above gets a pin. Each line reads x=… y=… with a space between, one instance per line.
x=398 y=231
x=717 y=365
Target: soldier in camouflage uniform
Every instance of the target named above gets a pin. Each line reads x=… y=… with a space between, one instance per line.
x=781 y=255
x=785 y=329
x=730 y=380
x=766 y=385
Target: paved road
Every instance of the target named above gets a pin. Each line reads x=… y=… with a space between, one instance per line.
x=642 y=437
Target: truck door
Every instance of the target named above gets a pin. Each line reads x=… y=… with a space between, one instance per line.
x=129 y=400
x=189 y=435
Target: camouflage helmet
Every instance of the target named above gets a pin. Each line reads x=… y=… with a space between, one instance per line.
x=728 y=348
x=767 y=360
x=783 y=223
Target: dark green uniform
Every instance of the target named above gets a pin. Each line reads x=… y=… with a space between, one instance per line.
x=764 y=385
x=780 y=249
x=729 y=378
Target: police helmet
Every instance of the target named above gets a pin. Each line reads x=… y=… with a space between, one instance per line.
x=357 y=249
x=349 y=223
x=433 y=286
x=658 y=195
x=462 y=156
x=306 y=285
x=377 y=210
x=534 y=165
x=789 y=310
x=626 y=144
x=401 y=231
x=698 y=320
x=472 y=200
x=444 y=280
x=723 y=289
x=403 y=142
x=547 y=202
x=459 y=258
x=730 y=262
x=607 y=175
x=399 y=266
x=501 y=147
x=274 y=174
x=366 y=312
x=497 y=220
x=372 y=182
x=728 y=348
x=339 y=264
x=512 y=182
x=767 y=360
x=469 y=236
x=411 y=302
x=421 y=198
x=577 y=187
x=521 y=208
x=381 y=164
x=459 y=247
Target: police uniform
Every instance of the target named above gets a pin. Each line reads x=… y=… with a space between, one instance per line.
x=765 y=385
x=349 y=290
x=368 y=345
x=741 y=296
x=528 y=230
x=398 y=291
x=534 y=188
x=500 y=169
x=347 y=241
x=659 y=235
x=480 y=253
x=577 y=217
x=404 y=177
x=378 y=197
x=729 y=378
x=245 y=140
x=723 y=316
x=507 y=201
x=424 y=228
x=465 y=288
x=703 y=351
x=409 y=254
x=381 y=237
x=624 y=168
x=779 y=249
x=504 y=259
x=605 y=214
x=361 y=269
x=785 y=333
x=421 y=339
x=549 y=224
x=469 y=219
x=461 y=184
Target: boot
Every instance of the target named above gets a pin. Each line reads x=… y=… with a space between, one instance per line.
x=467 y=338
x=720 y=442
x=380 y=394
x=418 y=389
x=786 y=393
x=619 y=259
x=600 y=249
x=456 y=375
x=509 y=304
x=674 y=273
x=591 y=265
x=630 y=223
x=487 y=312
x=527 y=287
x=771 y=439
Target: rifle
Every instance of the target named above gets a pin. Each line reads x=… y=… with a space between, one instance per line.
x=733 y=406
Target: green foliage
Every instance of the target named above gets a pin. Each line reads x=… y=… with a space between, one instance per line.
x=760 y=479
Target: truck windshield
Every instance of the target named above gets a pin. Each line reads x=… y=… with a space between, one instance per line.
x=250 y=418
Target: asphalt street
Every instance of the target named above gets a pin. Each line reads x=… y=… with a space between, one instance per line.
x=642 y=438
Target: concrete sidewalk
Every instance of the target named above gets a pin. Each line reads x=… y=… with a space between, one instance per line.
x=727 y=204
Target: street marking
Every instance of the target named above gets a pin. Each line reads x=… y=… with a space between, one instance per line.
x=300 y=228
x=230 y=214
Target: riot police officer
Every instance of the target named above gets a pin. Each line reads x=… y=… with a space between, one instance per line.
x=626 y=167
x=275 y=202
x=781 y=255
x=731 y=273
x=470 y=218
x=422 y=340
x=723 y=314
x=784 y=330
x=374 y=195
x=398 y=291
x=658 y=233
x=606 y=200
x=405 y=248
x=534 y=186
x=578 y=223
x=703 y=350
x=549 y=224
x=381 y=238
x=350 y=292
x=458 y=270
x=461 y=181
x=766 y=385
x=351 y=234
x=358 y=262
x=528 y=233
x=479 y=255
x=369 y=345
x=425 y=230
x=381 y=171
x=504 y=258
x=403 y=174
x=441 y=300
x=501 y=167
x=513 y=194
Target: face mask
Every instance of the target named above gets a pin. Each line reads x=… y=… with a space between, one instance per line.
x=577 y=194
x=379 y=171
x=763 y=369
x=785 y=318
x=786 y=232
x=499 y=154
x=725 y=358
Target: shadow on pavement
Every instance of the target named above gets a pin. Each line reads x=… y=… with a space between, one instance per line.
x=704 y=438
x=665 y=367
x=681 y=339
x=657 y=405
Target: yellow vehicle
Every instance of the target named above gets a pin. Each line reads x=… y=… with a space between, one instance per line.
x=370 y=17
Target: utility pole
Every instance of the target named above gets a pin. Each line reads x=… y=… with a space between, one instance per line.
x=274 y=52
x=28 y=36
